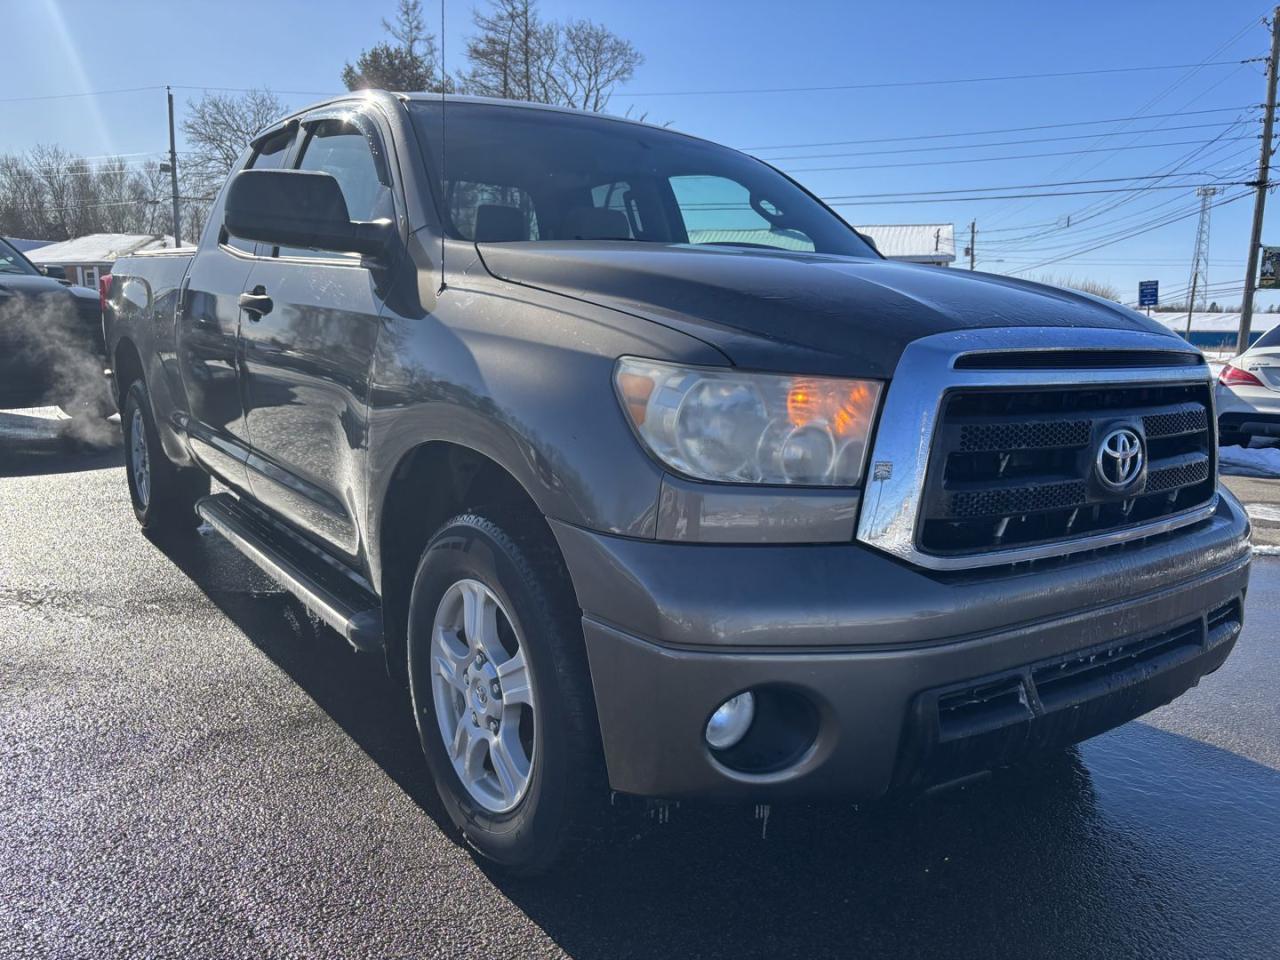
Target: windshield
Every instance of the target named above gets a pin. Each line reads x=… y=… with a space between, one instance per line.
x=11 y=261
x=515 y=173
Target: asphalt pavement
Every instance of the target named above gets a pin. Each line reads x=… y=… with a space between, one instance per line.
x=191 y=767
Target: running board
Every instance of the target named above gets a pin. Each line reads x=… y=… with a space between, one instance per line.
x=331 y=594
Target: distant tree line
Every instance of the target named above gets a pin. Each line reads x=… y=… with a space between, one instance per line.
x=52 y=194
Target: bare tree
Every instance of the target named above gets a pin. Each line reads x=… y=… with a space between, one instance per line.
x=22 y=208
x=513 y=56
x=217 y=128
x=593 y=60
x=517 y=55
x=412 y=63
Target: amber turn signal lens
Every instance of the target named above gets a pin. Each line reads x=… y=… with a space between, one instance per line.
x=636 y=391
x=845 y=408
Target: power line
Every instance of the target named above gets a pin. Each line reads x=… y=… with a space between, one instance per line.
x=1169 y=89
x=1018 y=156
x=86 y=93
x=1029 y=240
x=160 y=86
x=1084 y=215
x=1017 y=186
x=992 y=143
x=886 y=84
x=1023 y=196
x=1129 y=235
x=984 y=133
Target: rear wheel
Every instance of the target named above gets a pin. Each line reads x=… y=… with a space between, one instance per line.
x=501 y=692
x=163 y=494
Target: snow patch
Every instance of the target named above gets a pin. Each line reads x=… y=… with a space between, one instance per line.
x=1249 y=461
x=1263 y=511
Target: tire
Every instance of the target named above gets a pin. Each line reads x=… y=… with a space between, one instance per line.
x=515 y=571
x=1231 y=439
x=163 y=495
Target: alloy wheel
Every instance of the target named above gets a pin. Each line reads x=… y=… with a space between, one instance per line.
x=139 y=460
x=483 y=694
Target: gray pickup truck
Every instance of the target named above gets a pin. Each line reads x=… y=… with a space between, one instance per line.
x=646 y=472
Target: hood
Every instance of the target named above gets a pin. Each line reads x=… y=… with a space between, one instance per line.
x=37 y=286
x=802 y=313
x=32 y=285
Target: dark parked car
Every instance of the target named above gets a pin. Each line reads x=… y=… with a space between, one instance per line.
x=633 y=504
x=51 y=346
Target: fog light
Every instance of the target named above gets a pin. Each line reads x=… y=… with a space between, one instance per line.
x=730 y=722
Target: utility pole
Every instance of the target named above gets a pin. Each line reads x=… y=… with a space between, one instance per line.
x=173 y=171
x=1191 y=301
x=1260 y=201
x=973 y=241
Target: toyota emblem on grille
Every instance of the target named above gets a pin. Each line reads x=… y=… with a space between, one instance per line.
x=1119 y=459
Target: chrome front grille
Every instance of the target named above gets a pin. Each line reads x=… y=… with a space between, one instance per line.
x=1015 y=467
x=986 y=446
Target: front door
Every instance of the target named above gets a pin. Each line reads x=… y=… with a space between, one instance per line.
x=307 y=349
x=208 y=328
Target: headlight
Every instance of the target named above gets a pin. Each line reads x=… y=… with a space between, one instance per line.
x=724 y=425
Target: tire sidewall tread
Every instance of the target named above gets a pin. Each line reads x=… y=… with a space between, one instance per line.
x=515 y=560
x=174 y=490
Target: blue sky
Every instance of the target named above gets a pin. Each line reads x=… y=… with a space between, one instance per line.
x=297 y=48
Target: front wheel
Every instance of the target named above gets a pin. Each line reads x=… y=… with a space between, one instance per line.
x=163 y=494
x=501 y=692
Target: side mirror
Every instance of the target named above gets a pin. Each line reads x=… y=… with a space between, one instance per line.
x=54 y=271
x=299 y=208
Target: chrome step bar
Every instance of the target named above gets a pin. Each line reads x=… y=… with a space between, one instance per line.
x=333 y=596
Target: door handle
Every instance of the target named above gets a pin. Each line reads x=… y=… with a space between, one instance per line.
x=256 y=304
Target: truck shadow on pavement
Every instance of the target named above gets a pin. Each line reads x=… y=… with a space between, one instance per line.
x=1140 y=843
x=22 y=459
x=352 y=688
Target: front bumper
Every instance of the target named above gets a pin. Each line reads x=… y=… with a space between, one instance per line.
x=913 y=677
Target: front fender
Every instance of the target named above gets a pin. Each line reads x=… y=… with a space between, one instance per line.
x=526 y=379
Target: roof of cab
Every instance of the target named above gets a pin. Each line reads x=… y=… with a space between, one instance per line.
x=447 y=98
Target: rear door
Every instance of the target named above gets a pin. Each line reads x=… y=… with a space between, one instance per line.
x=306 y=360
x=208 y=328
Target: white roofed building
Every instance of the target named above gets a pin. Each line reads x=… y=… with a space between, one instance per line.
x=87 y=258
x=933 y=243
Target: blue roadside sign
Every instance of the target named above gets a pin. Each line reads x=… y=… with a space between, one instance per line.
x=1148 y=293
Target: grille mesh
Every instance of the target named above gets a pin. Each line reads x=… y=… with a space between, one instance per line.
x=1187 y=420
x=998 y=503
x=1012 y=468
x=1023 y=436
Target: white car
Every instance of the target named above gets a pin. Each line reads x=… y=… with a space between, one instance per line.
x=1248 y=396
